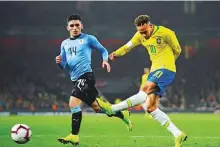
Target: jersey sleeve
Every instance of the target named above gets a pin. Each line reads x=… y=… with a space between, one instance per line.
x=135 y=41
x=63 y=63
x=98 y=46
x=171 y=39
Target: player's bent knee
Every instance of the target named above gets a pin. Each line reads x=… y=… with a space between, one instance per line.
x=151 y=109
x=72 y=105
x=74 y=102
x=75 y=109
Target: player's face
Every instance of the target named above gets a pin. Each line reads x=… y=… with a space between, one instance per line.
x=74 y=27
x=145 y=30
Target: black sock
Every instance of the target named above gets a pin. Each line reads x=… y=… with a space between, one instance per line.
x=117 y=114
x=76 y=121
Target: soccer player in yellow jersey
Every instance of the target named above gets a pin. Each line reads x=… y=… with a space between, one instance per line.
x=163 y=48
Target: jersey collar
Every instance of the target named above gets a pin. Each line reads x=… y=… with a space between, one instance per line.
x=156 y=28
x=75 y=37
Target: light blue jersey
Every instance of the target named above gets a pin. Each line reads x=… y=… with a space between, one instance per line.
x=76 y=54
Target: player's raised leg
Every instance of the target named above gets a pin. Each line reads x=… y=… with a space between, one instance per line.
x=132 y=101
x=123 y=115
x=73 y=137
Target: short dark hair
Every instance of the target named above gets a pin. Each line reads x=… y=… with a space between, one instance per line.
x=74 y=17
x=142 y=19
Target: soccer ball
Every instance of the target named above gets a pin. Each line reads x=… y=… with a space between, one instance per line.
x=21 y=133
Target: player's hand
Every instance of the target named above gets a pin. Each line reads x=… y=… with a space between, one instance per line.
x=107 y=65
x=112 y=56
x=58 y=59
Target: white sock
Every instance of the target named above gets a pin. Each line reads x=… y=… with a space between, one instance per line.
x=173 y=129
x=132 y=101
x=164 y=120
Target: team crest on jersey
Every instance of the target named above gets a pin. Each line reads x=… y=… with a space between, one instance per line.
x=81 y=41
x=158 y=40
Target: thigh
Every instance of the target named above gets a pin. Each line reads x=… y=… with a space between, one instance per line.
x=74 y=101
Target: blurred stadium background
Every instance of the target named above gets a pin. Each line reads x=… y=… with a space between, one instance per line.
x=31 y=33
x=31 y=83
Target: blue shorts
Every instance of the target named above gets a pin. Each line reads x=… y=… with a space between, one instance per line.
x=162 y=77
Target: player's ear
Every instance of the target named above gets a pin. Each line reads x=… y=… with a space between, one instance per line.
x=81 y=25
x=68 y=28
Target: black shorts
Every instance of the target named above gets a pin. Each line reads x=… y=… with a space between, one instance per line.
x=84 y=88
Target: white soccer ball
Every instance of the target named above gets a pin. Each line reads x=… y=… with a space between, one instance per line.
x=21 y=133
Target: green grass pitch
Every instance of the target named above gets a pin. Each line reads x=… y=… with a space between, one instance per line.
x=100 y=131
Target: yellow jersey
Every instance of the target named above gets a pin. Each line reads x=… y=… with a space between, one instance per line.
x=163 y=48
x=144 y=79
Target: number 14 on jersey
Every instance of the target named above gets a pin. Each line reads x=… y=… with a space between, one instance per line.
x=72 y=50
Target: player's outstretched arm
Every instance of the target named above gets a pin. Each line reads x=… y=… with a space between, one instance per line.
x=119 y=52
x=135 y=41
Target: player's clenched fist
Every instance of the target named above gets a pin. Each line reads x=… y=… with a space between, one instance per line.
x=112 y=56
x=58 y=59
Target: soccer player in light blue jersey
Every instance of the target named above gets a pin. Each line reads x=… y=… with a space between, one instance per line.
x=76 y=56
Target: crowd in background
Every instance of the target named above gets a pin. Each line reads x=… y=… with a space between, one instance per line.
x=35 y=87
